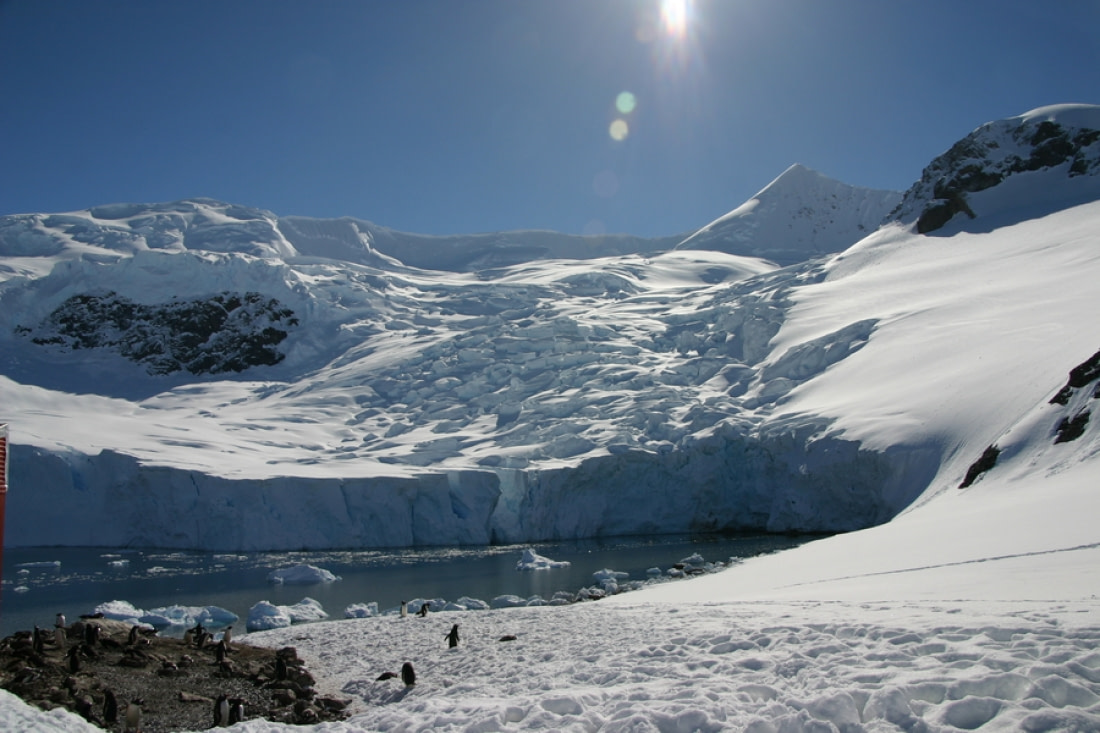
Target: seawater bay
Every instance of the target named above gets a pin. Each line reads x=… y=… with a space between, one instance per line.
x=40 y=582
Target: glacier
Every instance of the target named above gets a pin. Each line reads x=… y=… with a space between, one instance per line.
x=528 y=386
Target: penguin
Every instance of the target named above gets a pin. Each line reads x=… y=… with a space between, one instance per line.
x=188 y=637
x=91 y=634
x=37 y=642
x=280 y=668
x=385 y=676
x=133 y=635
x=227 y=635
x=220 y=651
x=59 y=622
x=408 y=675
x=221 y=710
x=74 y=659
x=110 y=707
x=133 y=716
x=423 y=610
x=404 y=609
x=452 y=637
x=59 y=638
x=236 y=710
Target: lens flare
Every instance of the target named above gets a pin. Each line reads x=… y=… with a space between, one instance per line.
x=619 y=130
x=625 y=103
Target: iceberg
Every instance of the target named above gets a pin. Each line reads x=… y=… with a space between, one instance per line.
x=533 y=561
x=301 y=575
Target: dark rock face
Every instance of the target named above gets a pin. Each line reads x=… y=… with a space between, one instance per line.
x=987 y=460
x=987 y=157
x=228 y=332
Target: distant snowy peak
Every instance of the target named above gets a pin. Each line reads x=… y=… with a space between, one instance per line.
x=1009 y=170
x=800 y=214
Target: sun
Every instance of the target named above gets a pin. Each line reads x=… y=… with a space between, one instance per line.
x=674 y=16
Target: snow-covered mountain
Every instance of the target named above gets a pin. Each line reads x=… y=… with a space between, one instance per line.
x=198 y=374
x=799 y=215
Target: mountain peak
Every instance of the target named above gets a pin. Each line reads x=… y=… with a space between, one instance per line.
x=1010 y=170
x=800 y=214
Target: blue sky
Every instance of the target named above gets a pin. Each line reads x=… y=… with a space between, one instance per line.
x=462 y=116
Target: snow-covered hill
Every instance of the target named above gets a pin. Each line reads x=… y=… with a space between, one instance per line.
x=523 y=388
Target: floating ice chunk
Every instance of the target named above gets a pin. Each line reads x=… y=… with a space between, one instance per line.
x=361 y=610
x=305 y=611
x=534 y=561
x=49 y=564
x=508 y=601
x=472 y=604
x=301 y=575
x=265 y=615
x=695 y=560
x=607 y=574
x=20 y=589
x=653 y=572
x=119 y=563
x=119 y=611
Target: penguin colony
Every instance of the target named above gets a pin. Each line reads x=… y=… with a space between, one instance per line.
x=126 y=678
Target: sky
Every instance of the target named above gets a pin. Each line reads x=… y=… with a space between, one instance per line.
x=647 y=117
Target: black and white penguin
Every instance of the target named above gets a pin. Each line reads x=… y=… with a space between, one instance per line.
x=423 y=610
x=74 y=659
x=133 y=716
x=220 y=651
x=110 y=707
x=236 y=710
x=59 y=622
x=404 y=609
x=188 y=637
x=132 y=639
x=227 y=636
x=408 y=674
x=59 y=638
x=91 y=634
x=452 y=637
x=37 y=642
x=280 y=668
x=221 y=710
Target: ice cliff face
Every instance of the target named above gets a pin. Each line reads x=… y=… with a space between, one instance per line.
x=326 y=390
x=1047 y=157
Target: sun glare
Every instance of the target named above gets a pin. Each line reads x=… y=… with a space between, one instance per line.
x=674 y=17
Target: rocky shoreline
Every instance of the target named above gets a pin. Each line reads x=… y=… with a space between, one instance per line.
x=97 y=667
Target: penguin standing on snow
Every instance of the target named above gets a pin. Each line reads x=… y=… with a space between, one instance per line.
x=404 y=609
x=221 y=710
x=452 y=637
x=408 y=674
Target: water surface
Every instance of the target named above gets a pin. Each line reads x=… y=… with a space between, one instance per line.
x=40 y=582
